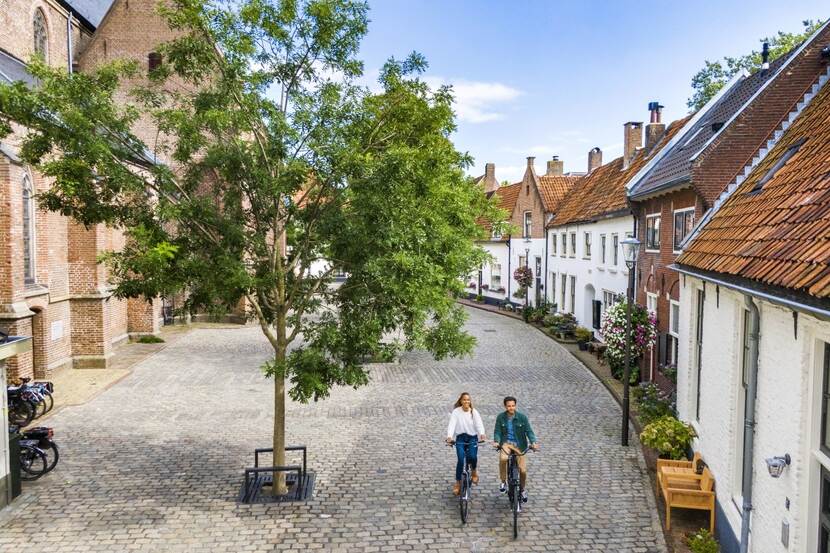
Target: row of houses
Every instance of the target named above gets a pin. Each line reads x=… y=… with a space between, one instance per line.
x=732 y=209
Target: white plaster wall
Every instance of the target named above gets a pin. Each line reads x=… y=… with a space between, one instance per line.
x=536 y=247
x=498 y=251
x=787 y=415
x=602 y=276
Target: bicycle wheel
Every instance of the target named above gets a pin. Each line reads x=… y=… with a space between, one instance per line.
x=21 y=412
x=52 y=455
x=47 y=398
x=515 y=506
x=464 y=497
x=33 y=463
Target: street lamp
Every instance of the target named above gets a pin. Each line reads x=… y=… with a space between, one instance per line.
x=631 y=248
x=527 y=289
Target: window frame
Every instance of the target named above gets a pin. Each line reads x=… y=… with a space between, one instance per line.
x=563 y=251
x=684 y=211
x=40 y=16
x=527 y=228
x=562 y=307
x=824 y=439
x=602 y=247
x=615 y=241
x=652 y=241
x=495 y=276
x=700 y=301
x=573 y=244
x=573 y=294
x=586 y=243
x=553 y=246
x=28 y=226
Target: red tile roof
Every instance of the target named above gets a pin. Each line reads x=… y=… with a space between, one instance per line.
x=505 y=199
x=602 y=191
x=553 y=189
x=780 y=235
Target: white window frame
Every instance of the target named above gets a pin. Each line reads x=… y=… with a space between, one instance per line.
x=602 y=247
x=553 y=246
x=563 y=251
x=562 y=306
x=573 y=295
x=573 y=245
x=674 y=320
x=527 y=229
x=675 y=247
x=615 y=245
x=495 y=276
x=28 y=204
x=649 y=217
x=552 y=287
x=609 y=298
x=651 y=300
x=586 y=242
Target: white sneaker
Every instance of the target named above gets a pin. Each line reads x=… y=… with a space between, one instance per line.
x=503 y=487
x=519 y=507
x=524 y=496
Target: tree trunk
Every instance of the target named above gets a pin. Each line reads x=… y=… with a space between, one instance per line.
x=279 y=487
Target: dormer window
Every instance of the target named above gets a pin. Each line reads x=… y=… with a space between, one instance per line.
x=791 y=151
x=41 y=35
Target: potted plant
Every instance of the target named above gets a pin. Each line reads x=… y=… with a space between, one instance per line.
x=583 y=336
x=702 y=542
x=669 y=436
x=643 y=335
x=485 y=286
x=480 y=298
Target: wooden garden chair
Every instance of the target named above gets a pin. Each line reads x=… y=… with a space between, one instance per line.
x=689 y=491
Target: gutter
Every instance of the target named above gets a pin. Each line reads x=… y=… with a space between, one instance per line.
x=545 y=276
x=681 y=135
x=749 y=422
x=790 y=303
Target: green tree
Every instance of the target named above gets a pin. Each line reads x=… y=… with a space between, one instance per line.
x=276 y=162
x=715 y=74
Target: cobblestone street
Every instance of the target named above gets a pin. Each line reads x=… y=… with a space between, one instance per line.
x=155 y=462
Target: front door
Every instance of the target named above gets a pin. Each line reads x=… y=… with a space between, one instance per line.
x=538 y=281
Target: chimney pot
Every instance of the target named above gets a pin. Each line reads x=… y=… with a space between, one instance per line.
x=556 y=167
x=655 y=129
x=594 y=159
x=530 y=160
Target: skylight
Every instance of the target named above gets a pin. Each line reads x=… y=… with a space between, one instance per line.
x=782 y=161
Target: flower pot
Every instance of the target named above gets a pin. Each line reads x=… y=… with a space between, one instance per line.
x=583 y=346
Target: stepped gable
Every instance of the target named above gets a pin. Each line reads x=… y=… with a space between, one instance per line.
x=602 y=192
x=775 y=228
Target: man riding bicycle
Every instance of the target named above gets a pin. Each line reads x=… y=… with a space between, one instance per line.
x=513 y=433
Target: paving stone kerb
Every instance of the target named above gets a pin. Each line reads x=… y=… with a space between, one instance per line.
x=155 y=462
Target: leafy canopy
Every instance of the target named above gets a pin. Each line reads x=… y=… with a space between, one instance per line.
x=250 y=166
x=715 y=74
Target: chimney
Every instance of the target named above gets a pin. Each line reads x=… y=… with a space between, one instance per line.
x=655 y=128
x=490 y=183
x=765 y=58
x=556 y=167
x=594 y=159
x=632 y=141
x=530 y=160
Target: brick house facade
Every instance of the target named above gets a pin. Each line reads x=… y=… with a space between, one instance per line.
x=51 y=285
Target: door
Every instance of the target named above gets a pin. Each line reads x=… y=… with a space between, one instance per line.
x=538 y=281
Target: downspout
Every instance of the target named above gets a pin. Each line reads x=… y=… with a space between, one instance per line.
x=749 y=422
x=509 y=272
x=545 y=276
x=69 y=42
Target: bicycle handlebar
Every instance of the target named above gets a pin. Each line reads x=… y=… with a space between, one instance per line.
x=452 y=443
x=500 y=448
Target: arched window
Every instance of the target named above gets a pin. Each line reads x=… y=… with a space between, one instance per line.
x=41 y=34
x=28 y=232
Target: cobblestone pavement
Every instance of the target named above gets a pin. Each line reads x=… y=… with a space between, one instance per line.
x=155 y=462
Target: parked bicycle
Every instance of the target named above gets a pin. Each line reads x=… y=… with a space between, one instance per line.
x=513 y=485
x=466 y=483
x=28 y=401
x=38 y=453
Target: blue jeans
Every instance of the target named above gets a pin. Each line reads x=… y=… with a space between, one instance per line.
x=470 y=444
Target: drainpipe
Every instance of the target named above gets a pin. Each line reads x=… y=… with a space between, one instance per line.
x=69 y=41
x=509 y=272
x=545 y=276
x=749 y=422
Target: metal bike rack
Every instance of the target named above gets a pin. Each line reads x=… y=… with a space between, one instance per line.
x=258 y=477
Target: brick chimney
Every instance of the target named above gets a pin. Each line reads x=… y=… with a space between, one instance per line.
x=594 y=159
x=632 y=141
x=556 y=167
x=489 y=182
x=655 y=128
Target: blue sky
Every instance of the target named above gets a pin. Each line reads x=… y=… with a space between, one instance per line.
x=546 y=78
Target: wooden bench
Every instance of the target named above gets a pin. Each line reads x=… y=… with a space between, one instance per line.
x=687 y=466
x=683 y=488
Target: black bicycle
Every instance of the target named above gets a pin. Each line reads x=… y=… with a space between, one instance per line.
x=466 y=484
x=514 y=485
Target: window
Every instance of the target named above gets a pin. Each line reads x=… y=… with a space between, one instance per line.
x=41 y=35
x=615 y=247
x=553 y=245
x=573 y=244
x=698 y=350
x=496 y=234
x=602 y=248
x=673 y=338
x=587 y=253
x=28 y=232
x=562 y=301
x=495 y=276
x=825 y=404
x=741 y=406
x=538 y=267
x=528 y=224
x=653 y=232
x=791 y=151
x=651 y=303
x=824 y=512
x=684 y=220
x=153 y=61
x=608 y=299
x=573 y=293
x=553 y=287
x=564 y=245
x=522 y=261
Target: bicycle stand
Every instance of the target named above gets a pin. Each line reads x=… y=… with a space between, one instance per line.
x=258 y=481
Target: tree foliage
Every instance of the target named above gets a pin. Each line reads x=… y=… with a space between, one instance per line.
x=715 y=74
x=270 y=170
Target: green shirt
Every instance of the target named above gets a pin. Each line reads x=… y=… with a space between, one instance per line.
x=521 y=428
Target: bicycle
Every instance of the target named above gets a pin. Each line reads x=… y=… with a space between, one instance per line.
x=514 y=485
x=466 y=483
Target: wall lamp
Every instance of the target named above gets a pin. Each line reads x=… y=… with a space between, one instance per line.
x=775 y=465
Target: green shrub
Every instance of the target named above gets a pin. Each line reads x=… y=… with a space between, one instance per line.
x=702 y=542
x=479 y=298
x=617 y=367
x=149 y=339
x=583 y=334
x=550 y=320
x=652 y=403
x=669 y=436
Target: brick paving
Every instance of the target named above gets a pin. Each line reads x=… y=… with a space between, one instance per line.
x=154 y=463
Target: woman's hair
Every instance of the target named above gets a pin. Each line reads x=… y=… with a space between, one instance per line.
x=458 y=401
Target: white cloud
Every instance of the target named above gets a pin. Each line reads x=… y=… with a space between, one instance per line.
x=477 y=101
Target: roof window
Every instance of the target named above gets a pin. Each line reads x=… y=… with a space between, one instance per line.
x=782 y=161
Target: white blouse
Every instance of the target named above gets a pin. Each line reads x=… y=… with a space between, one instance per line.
x=462 y=423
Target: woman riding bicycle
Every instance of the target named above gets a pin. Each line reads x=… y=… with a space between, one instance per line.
x=465 y=429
